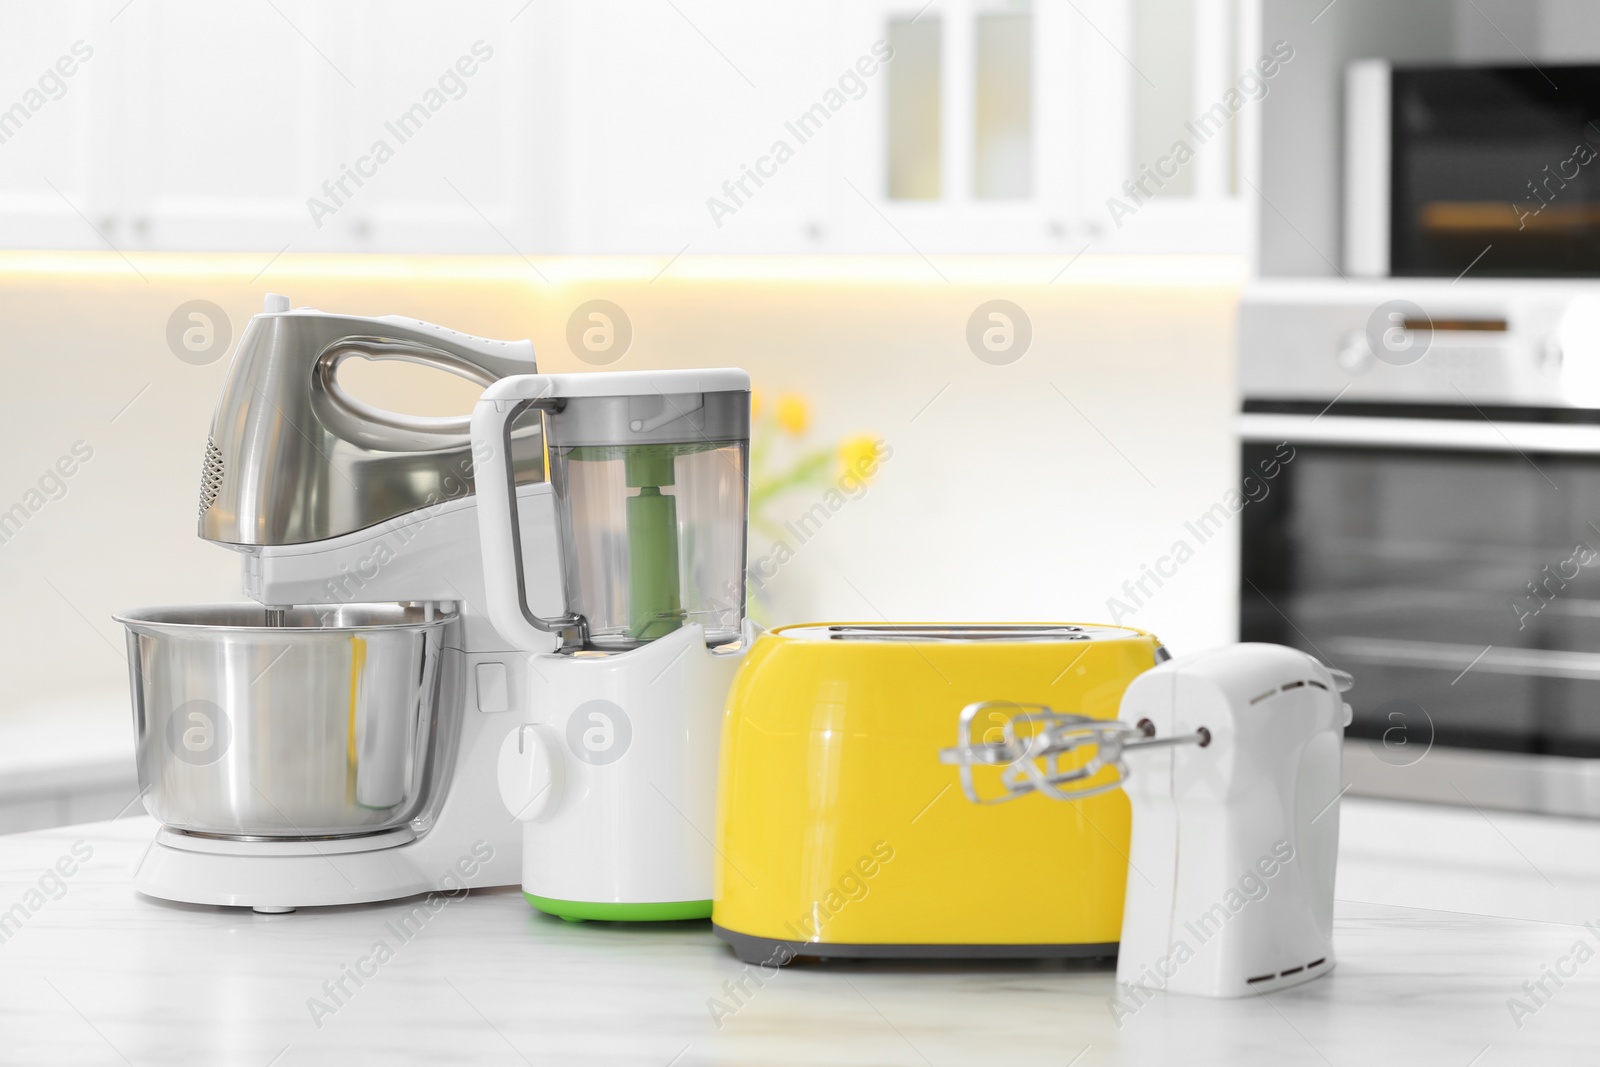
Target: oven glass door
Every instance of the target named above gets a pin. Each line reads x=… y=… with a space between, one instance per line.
x=1460 y=587
x=1495 y=168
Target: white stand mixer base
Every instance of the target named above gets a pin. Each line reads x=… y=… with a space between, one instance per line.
x=280 y=883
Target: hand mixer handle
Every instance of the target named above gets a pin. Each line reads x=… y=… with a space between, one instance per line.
x=499 y=523
x=477 y=359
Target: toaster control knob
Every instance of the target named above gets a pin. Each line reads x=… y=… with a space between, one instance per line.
x=529 y=773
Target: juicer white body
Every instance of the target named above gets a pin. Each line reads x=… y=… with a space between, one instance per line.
x=612 y=775
x=422 y=556
x=1231 y=867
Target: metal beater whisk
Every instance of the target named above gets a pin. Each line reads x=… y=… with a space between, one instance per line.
x=1035 y=740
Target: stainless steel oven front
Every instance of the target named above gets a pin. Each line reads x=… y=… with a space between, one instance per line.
x=1435 y=531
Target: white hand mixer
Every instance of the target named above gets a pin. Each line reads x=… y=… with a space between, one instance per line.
x=1235 y=810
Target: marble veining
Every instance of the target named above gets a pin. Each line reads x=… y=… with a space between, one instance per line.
x=100 y=975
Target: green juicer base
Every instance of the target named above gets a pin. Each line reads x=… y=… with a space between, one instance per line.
x=583 y=910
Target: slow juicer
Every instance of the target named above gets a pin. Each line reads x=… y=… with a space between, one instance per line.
x=612 y=772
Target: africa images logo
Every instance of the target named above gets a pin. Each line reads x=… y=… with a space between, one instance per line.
x=198 y=733
x=598 y=732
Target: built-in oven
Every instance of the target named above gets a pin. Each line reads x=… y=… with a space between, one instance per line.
x=1492 y=168
x=1432 y=526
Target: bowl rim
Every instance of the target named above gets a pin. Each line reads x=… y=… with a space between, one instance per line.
x=142 y=618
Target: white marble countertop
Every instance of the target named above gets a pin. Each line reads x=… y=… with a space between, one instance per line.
x=1443 y=914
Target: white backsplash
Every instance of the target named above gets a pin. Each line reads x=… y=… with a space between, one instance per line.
x=1028 y=491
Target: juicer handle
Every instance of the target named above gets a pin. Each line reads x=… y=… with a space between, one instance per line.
x=499 y=524
x=477 y=359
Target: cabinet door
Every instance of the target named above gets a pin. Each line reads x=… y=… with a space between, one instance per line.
x=198 y=126
x=666 y=117
x=220 y=111
x=439 y=148
x=57 y=74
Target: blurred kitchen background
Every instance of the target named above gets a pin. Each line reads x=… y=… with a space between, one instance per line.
x=832 y=194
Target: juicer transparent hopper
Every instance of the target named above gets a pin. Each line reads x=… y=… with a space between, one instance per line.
x=650 y=475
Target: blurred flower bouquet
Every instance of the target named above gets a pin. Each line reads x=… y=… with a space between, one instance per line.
x=782 y=465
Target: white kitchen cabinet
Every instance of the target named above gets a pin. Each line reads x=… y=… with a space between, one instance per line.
x=51 y=133
x=610 y=126
x=650 y=171
x=246 y=127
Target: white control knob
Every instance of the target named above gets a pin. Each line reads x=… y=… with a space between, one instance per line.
x=1355 y=354
x=1577 y=335
x=529 y=773
x=1550 y=357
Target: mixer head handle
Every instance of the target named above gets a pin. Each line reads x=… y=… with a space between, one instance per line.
x=293 y=457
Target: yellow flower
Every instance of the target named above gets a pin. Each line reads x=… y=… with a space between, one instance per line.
x=859 y=455
x=793 y=414
x=755 y=404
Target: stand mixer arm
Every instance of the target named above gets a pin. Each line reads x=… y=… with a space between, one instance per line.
x=477 y=359
x=293 y=458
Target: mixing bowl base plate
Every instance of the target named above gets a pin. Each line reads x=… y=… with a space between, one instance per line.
x=284 y=846
x=307 y=881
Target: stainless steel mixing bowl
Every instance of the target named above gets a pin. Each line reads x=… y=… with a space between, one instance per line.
x=332 y=722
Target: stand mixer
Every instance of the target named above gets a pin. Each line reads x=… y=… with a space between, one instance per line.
x=334 y=742
x=612 y=772
x=1235 y=810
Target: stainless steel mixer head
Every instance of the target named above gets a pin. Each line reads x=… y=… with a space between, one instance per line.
x=1034 y=741
x=293 y=458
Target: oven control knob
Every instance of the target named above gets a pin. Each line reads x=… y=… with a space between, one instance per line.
x=1354 y=354
x=1550 y=357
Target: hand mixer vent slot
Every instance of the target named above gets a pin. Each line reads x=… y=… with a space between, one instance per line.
x=1312 y=682
x=210 y=475
x=1286 y=974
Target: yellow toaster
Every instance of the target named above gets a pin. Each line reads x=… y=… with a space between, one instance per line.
x=839 y=832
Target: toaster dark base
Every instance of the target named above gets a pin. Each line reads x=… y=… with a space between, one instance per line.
x=768 y=951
